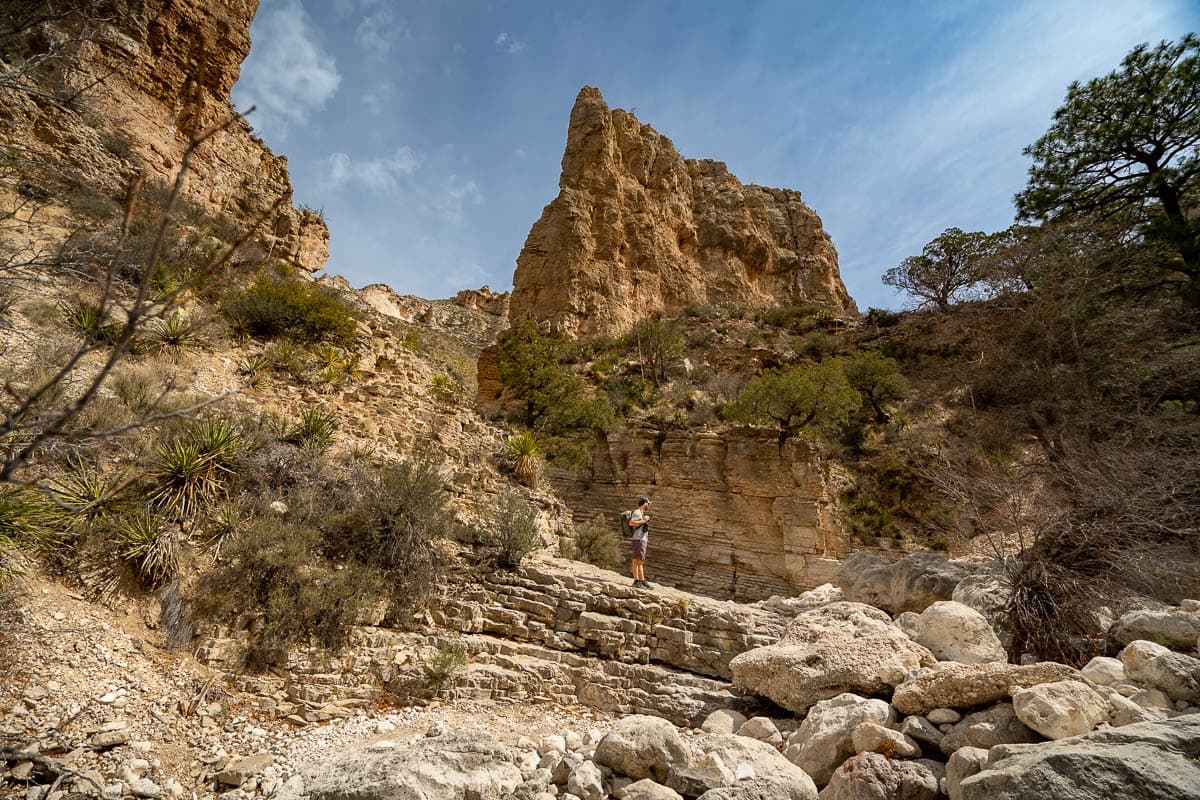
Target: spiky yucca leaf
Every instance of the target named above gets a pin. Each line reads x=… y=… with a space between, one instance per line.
x=524 y=453
x=150 y=546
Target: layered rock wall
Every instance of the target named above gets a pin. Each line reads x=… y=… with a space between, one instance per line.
x=734 y=516
x=637 y=229
x=124 y=86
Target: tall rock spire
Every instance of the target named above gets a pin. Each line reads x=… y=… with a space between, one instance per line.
x=637 y=229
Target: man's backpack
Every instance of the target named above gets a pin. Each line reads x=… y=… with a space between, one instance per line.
x=626 y=531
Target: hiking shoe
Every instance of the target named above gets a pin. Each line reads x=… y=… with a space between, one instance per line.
x=647 y=585
x=637 y=584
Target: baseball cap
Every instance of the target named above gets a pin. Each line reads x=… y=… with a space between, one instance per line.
x=643 y=499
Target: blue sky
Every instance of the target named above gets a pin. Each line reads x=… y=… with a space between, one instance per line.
x=430 y=132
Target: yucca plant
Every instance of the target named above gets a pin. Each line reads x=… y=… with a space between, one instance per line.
x=150 y=545
x=225 y=522
x=289 y=357
x=446 y=390
x=193 y=470
x=27 y=519
x=315 y=431
x=524 y=454
x=85 y=492
x=175 y=332
x=88 y=320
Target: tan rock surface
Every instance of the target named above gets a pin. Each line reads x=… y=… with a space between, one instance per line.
x=954 y=685
x=638 y=229
x=842 y=647
x=735 y=515
x=152 y=75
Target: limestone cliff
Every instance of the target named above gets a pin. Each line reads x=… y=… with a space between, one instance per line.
x=638 y=229
x=734 y=515
x=122 y=85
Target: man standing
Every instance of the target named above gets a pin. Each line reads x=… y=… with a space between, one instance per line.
x=639 y=522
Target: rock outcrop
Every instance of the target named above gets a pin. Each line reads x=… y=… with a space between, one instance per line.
x=1151 y=759
x=146 y=78
x=736 y=515
x=637 y=229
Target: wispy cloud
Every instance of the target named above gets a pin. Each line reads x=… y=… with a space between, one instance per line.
x=378 y=31
x=384 y=174
x=378 y=96
x=288 y=74
x=510 y=44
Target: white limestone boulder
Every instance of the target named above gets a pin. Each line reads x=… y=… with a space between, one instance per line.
x=953 y=685
x=955 y=632
x=1156 y=666
x=838 y=648
x=641 y=747
x=825 y=738
x=1061 y=709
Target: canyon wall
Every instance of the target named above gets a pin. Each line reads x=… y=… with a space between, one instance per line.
x=122 y=86
x=637 y=229
x=735 y=516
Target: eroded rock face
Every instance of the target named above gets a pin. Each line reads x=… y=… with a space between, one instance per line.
x=736 y=515
x=150 y=76
x=637 y=229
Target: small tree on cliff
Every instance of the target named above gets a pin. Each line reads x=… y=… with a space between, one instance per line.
x=947 y=269
x=799 y=400
x=1129 y=143
x=877 y=378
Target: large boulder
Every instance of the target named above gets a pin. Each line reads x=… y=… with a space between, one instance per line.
x=753 y=789
x=455 y=766
x=910 y=584
x=642 y=747
x=648 y=790
x=1104 y=671
x=825 y=739
x=1061 y=709
x=1171 y=628
x=951 y=685
x=988 y=728
x=955 y=632
x=871 y=776
x=1153 y=665
x=838 y=648
x=743 y=755
x=823 y=595
x=1159 y=760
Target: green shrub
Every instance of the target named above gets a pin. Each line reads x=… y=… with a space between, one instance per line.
x=799 y=318
x=447 y=659
x=596 y=543
x=89 y=321
x=658 y=346
x=512 y=534
x=274 y=567
x=175 y=332
x=86 y=493
x=816 y=399
x=284 y=307
x=392 y=521
x=447 y=391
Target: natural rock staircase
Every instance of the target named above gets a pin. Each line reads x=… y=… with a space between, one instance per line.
x=553 y=631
